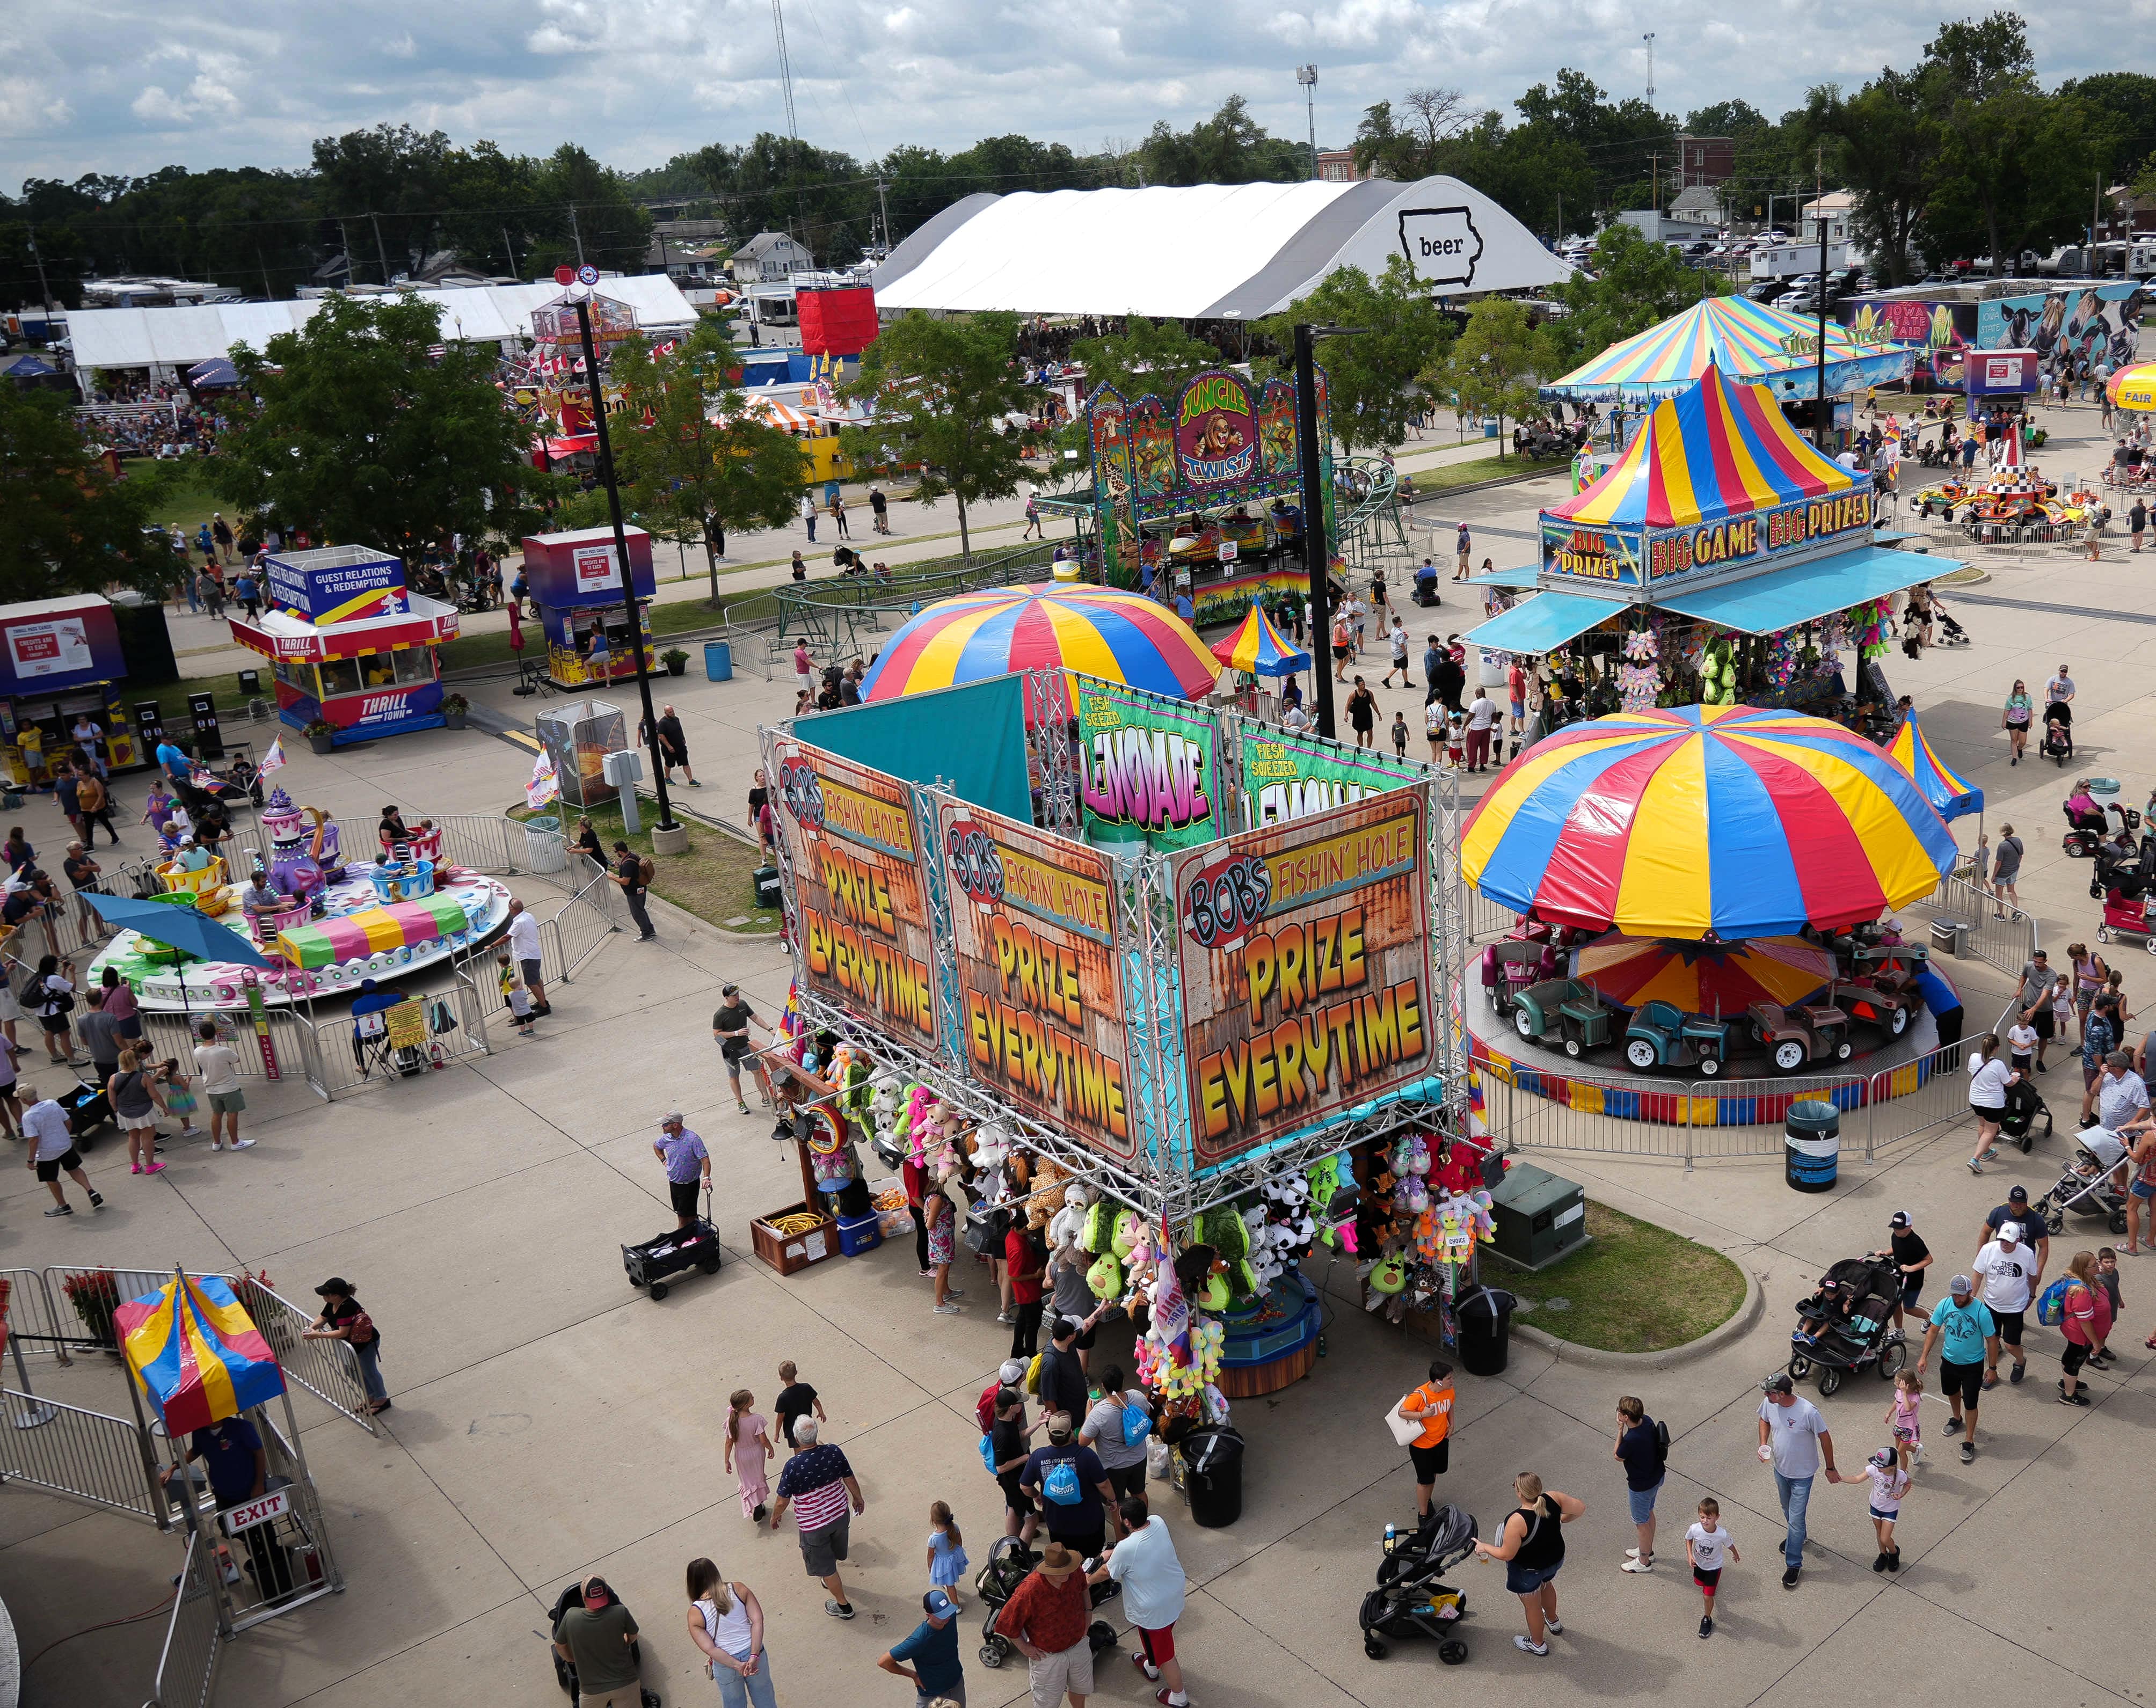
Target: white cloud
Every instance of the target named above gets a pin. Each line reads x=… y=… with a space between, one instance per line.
x=27 y=108
x=402 y=47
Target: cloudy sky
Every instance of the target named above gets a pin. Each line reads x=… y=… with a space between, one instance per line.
x=125 y=87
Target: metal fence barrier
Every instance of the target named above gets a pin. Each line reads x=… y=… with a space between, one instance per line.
x=80 y=1300
x=456 y=1028
x=186 y=1665
x=581 y=925
x=327 y=1369
x=88 y=1456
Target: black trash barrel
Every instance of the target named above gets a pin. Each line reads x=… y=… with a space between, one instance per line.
x=1213 y=1474
x=1812 y=1154
x=1484 y=1315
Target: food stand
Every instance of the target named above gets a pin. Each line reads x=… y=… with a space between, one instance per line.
x=61 y=669
x=349 y=644
x=577 y=592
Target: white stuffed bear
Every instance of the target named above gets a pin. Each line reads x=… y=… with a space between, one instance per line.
x=1069 y=1223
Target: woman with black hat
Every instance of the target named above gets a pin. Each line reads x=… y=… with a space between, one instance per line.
x=343 y=1319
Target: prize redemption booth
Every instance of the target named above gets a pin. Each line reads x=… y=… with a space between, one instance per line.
x=348 y=643
x=1191 y=1014
x=1200 y=493
x=62 y=666
x=1721 y=560
x=578 y=591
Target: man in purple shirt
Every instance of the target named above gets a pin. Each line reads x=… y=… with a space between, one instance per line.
x=688 y=1166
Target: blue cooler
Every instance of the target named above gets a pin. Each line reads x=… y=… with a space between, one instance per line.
x=859 y=1233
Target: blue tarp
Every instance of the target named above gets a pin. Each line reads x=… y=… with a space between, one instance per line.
x=972 y=737
x=1782 y=598
x=1542 y=622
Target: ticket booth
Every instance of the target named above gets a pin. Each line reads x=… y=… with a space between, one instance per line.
x=62 y=673
x=579 y=594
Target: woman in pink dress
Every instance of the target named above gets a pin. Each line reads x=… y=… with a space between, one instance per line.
x=748 y=1450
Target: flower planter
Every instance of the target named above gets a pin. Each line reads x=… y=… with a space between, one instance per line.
x=322 y=744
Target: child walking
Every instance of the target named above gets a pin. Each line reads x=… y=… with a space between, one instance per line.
x=1901 y=1414
x=1889 y=1483
x=748 y=1450
x=946 y=1553
x=1400 y=734
x=1706 y=1544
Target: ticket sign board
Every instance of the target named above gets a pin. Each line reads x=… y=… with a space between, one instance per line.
x=1306 y=971
x=857 y=864
x=1033 y=930
x=337 y=592
x=598 y=568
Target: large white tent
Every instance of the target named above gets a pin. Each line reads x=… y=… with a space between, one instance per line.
x=1207 y=252
x=180 y=337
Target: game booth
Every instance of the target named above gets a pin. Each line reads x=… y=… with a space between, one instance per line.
x=62 y=668
x=337 y=917
x=348 y=643
x=1199 y=494
x=1143 y=974
x=578 y=593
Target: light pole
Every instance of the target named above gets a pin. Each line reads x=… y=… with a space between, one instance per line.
x=1307 y=76
x=1317 y=542
x=581 y=298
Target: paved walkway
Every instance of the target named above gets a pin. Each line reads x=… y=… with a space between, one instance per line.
x=550 y=1421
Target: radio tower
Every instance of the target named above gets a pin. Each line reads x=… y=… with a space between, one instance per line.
x=785 y=70
x=1648 y=38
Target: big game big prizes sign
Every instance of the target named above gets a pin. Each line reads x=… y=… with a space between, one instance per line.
x=864 y=926
x=1032 y=926
x=1306 y=970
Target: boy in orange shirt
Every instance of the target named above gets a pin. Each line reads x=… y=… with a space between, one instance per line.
x=1430 y=1405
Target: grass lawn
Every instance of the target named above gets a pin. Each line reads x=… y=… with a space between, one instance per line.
x=715 y=880
x=1477 y=469
x=1633 y=1288
x=191 y=504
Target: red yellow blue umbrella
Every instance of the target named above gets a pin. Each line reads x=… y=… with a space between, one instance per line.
x=1116 y=636
x=1704 y=978
x=196 y=1353
x=1257 y=649
x=1951 y=794
x=1699 y=821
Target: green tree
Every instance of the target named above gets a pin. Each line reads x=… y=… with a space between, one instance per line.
x=361 y=436
x=1494 y=365
x=66 y=526
x=780 y=183
x=1882 y=145
x=1635 y=284
x=1231 y=147
x=1146 y=356
x=1401 y=335
x=949 y=395
x=702 y=462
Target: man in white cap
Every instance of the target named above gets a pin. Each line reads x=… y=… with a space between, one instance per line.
x=2009 y=1269
x=1965 y=1336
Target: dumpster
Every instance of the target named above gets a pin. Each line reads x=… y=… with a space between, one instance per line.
x=1484 y=1315
x=1213 y=1474
x=718 y=661
x=544 y=849
x=1812 y=1153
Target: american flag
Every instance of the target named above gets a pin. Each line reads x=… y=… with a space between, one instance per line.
x=435 y=352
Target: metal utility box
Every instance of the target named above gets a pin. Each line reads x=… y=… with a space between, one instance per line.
x=1539 y=1217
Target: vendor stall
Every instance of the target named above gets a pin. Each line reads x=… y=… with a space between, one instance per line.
x=348 y=645
x=582 y=600
x=62 y=669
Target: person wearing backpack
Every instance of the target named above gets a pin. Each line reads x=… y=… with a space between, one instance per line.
x=343 y=1319
x=1070 y=1485
x=1643 y=1448
x=1117 y=1428
x=633 y=874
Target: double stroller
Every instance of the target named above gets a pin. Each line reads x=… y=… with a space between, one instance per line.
x=1846 y=1325
x=1412 y=1598
x=2087 y=1185
x=1009 y=1563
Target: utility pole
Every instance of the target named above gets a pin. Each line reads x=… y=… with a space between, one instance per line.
x=344 y=234
x=512 y=248
x=380 y=253
x=1822 y=412
x=269 y=294
x=785 y=69
x=1307 y=75
x=1316 y=557
x=576 y=232
x=1655 y=182
x=44 y=291
x=884 y=205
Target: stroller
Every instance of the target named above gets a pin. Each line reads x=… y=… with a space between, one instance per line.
x=1009 y=1563
x=1951 y=632
x=2058 y=732
x=565 y=1673
x=1846 y=1326
x=1412 y=1598
x=2018 y=1119
x=2085 y=1185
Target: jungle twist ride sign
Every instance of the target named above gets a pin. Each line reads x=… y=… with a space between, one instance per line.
x=1306 y=971
x=865 y=935
x=1033 y=932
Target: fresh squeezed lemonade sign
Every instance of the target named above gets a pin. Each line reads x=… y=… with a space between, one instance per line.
x=1306 y=970
x=1033 y=929
x=864 y=924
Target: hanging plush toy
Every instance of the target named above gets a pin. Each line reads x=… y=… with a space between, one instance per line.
x=1070 y=1221
x=1640 y=678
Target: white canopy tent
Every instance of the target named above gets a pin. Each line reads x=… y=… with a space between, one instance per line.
x=179 y=337
x=1208 y=252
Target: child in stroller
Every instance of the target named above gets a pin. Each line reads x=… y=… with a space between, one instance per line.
x=2059 y=731
x=2017 y=1120
x=595 y=1594
x=1009 y=1563
x=1412 y=1598
x=1846 y=1326
x=2092 y=1184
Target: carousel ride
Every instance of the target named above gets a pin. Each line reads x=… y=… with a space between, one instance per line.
x=335 y=922
x=1704 y=892
x=2016 y=496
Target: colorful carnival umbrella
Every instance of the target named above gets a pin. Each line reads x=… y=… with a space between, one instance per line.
x=1705 y=978
x=2134 y=386
x=1257 y=649
x=1698 y=821
x=1746 y=341
x=196 y=1353
x=1949 y=794
x=1119 y=637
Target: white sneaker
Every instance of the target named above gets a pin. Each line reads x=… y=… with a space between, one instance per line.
x=1631 y=1553
x=1636 y=1564
x=241 y=1145
x=215 y=1145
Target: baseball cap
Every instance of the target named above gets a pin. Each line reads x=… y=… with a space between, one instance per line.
x=1900 y=1219
x=596 y=1594
x=2017 y=1195
x=2010 y=1232
x=1960 y=1283
x=938 y=1605
x=1778 y=1383
x=1012 y=1373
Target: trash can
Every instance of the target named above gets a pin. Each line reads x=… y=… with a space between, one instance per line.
x=718 y=661
x=1484 y=1315
x=544 y=851
x=1213 y=1474
x=1812 y=1153
x=1950 y=936
x=767 y=892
